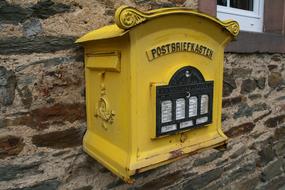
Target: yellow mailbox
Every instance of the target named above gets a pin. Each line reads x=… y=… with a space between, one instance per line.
x=154 y=87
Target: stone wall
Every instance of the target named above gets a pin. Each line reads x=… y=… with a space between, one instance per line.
x=42 y=108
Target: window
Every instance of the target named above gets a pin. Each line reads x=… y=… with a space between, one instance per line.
x=249 y=13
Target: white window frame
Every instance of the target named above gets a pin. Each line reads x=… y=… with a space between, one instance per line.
x=248 y=20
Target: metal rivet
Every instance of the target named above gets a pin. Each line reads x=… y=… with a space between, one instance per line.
x=187 y=74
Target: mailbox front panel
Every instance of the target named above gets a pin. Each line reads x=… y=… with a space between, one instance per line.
x=170 y=80
x=185 y=103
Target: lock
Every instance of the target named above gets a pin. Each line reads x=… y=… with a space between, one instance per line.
x=154 y=87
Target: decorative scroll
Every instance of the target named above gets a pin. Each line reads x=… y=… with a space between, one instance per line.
x=128 y=17
x=103 y=110
x=232 y=27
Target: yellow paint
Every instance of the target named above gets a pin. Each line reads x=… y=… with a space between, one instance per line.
x=105 y=61
x=121 y=79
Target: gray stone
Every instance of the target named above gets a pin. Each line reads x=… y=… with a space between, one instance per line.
x=13 y=14
x=46 y=8
x=272 y=67
x=273 y=169
x=2 y=123
x=209 y=158
x=11 y=172
x=32 y=27
x=229 y=83
x=89 y=187
x=266 y=155
x=276 y=183
x=281 y=98
x=279 y=147
x=51 y=184
x=246 y=183
x=276 y=58
x=242 y=170
x=243 y=111
x=260 y=107
x=260 y=82
x=238 y=150
x=241 y=72
x=232 y=101
x=275 y=121
x=275 y=79
x=26 y=96
x=248 y=86
x=38 y=44
x=59 y=139
x=254 y=96
x=279 y=133
x=8 y=84
x=157 y=183
x=203 y=180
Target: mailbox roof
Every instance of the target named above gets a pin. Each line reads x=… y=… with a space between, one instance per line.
x=105 y=32
x=127 y=17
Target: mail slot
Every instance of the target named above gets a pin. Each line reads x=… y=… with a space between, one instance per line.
x=154 y=87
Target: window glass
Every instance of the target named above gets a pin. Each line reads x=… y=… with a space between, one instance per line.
x=222 y=2
x=242 y=4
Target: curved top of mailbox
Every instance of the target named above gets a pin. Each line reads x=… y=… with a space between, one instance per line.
x=127 y=18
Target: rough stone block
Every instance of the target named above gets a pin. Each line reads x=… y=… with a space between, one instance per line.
x=275 y=121
x=209 y=158
x=262 y=116
x=279 y=133
x=26 y=96
x=41 y=118
x=229 y=83
x=59 y=139
x=46 y=8
x=247 y=183
x=240 y=129
x=279 y=147
x=11 y=13
x=8 y=84
x=248 y=86
x=203 y=180
x=51 y=184
x=228 y=102
x=32 y=27
x=275 y=79
x=242 y=170
x=12 y=172
x=260 y=82
x=237 y=150
x=273 y=169
x=162 y=181
x=276 y=183
x=266 y=155
x=10 y=146
x=38 y=44
x=254 y=96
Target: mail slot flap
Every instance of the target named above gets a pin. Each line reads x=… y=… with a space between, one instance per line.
x=108 y=61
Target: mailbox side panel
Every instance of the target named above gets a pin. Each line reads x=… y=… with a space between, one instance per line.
x=107 y=74
x=157 y=60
